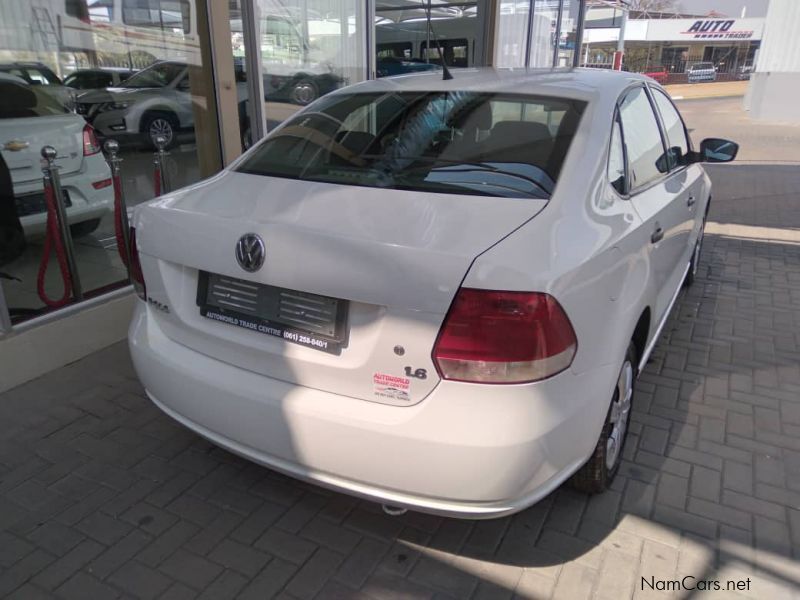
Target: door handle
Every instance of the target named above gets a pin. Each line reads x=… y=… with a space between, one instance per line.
x=690 y=202
x=658 y=235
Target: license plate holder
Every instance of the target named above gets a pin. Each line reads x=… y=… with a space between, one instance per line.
x=311 y=320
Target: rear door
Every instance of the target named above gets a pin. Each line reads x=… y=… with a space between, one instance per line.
x=654 y=194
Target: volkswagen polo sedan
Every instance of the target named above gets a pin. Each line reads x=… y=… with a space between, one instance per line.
x=434 y=294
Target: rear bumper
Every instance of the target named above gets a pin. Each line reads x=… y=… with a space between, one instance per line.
x=466 y=451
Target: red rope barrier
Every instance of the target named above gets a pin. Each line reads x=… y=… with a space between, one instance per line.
x=118 y=226
x=53 y=240
x=157 y=180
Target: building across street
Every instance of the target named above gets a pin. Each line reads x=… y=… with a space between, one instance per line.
x=675 y=50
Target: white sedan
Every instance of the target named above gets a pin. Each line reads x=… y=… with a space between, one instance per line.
x=30 y=119
x=432 y=294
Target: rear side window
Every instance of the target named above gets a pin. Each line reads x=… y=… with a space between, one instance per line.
x=677 y=143
x=448 y=142
x=24 y=101
x=642 y=138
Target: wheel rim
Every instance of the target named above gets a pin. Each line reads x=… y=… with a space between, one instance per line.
x=620 y=410
x=697 y=247
x=160 y=127
x=304 y=93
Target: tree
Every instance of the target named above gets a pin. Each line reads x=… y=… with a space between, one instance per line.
x=653 y=6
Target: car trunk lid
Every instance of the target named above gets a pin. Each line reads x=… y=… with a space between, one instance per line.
x=393 y=259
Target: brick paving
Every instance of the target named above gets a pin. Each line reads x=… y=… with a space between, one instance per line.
x=102 y=496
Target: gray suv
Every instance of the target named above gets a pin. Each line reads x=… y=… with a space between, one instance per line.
x=155 y=101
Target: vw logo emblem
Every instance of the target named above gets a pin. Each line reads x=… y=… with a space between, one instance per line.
x=250 y=252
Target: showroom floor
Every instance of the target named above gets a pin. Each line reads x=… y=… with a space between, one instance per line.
x=101 y=495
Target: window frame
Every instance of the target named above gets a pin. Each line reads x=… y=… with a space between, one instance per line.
x=646 y=186
x=665 y=134
x=617 y=121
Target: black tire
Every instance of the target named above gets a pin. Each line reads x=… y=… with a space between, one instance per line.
x=247 y=136
x=303 y=92
x=597 y=474
x=84 y=228
x=694 y=264
x=160 y=122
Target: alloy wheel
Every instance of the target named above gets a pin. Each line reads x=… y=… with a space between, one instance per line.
x=620 y=410
x=304 y=93
x=163 y=127
x=697 y=248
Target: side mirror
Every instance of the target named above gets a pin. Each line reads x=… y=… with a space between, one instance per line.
x=717 y=150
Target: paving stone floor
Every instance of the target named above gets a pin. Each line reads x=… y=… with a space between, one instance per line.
x=103 y=496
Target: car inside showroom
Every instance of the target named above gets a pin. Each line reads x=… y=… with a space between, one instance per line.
x=399 y=299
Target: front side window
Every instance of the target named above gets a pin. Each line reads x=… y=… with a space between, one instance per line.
x=678 y=144
x=446 y=142
x=642 y=135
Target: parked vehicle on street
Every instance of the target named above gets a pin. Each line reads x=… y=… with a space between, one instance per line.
x=30 y=119
x=390 y=65
x=699 y=72
x=744 y=73
x=39 y=74
x=661 y=75
x=97 y=79
x=433 y=294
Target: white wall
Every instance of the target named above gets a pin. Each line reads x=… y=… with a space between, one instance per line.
x=775 y=86
x=40 y=349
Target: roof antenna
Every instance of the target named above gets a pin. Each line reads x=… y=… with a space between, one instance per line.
x=446 y=74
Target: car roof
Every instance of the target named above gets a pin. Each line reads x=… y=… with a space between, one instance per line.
x=576 y=83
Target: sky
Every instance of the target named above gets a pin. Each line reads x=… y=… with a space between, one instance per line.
x=732 y=8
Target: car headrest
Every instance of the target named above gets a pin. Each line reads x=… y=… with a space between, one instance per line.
x=355 y=141
x=17 y=96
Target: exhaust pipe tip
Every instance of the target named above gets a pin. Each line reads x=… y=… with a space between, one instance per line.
x=393 y=511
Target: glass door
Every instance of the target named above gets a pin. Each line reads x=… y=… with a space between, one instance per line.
x=75 y=74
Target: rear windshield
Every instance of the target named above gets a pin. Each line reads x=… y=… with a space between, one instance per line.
x=21 y=101
x=486 y=144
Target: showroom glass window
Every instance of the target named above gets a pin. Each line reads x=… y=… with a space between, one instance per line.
x=642 y=138
x=169 y=92
x=673 y=125
x=406 y=43
x=308 y=48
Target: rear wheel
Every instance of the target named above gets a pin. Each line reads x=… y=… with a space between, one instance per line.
x=691 y=274
x=599 y=471
x=84 y=228
x=304 y=92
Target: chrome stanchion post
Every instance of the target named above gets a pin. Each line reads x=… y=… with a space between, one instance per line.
x=160 y=160
x=50 y=171
x=111 y=148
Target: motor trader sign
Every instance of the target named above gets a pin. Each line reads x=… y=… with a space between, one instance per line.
x=684 y=30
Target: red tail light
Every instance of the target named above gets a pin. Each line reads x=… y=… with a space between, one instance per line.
x=90 y=144
x=504 y=337
x=137 y=278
